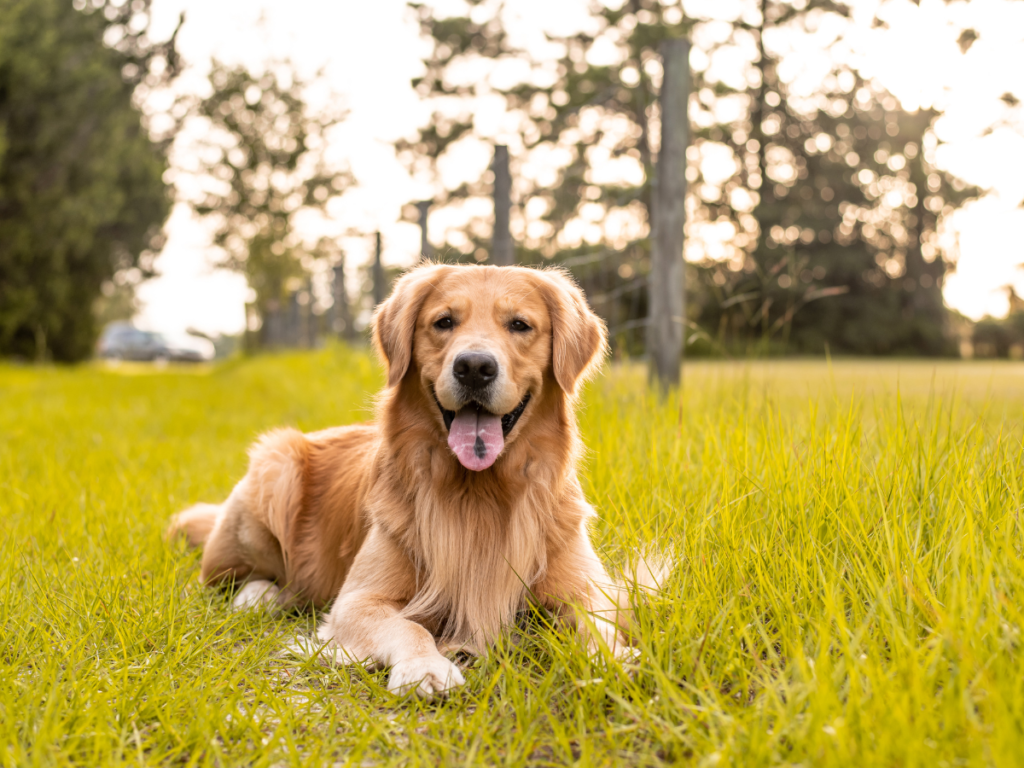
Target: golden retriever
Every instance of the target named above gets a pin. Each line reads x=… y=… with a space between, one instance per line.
x=433 y=526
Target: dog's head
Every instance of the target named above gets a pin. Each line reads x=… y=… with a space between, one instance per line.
x=483 y=343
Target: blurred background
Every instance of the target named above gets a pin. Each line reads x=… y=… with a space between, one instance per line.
x=181 y=180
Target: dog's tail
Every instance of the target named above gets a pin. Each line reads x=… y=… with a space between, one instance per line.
x=195 y=522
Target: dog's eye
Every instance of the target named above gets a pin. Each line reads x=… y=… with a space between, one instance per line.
x=519 y=326
x=444 y=324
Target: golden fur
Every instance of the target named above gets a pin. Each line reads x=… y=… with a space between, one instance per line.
x=415 y=548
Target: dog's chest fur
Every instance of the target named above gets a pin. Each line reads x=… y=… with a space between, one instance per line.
x=478 y=542
x=477 y=547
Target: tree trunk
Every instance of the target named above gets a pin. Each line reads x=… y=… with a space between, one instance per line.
x=501 y=247
x=342 y=315
x=379 y=289
x=425 y=249
x=666 y=326
x=765 y=191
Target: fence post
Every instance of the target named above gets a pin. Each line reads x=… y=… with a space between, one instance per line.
x=501 y=244
x=425 y=250
x=341 y=315
x=270 y=332
x=292 y=332
x=311 y=317
x=666 y=321
x=379 y=289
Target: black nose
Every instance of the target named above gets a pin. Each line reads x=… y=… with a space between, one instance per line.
x=475 y=370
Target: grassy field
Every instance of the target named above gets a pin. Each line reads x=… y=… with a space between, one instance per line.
x=848 y=592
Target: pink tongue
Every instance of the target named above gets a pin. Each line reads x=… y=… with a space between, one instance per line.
x=476 y=438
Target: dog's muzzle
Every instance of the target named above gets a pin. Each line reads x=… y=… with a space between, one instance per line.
x=477 y=436
x=508 y=421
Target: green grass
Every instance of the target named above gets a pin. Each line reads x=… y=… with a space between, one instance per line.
x=848 y=592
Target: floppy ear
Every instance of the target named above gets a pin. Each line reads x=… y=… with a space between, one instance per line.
x=394 y=321
x=578 y=338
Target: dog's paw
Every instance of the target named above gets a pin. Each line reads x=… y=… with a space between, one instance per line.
x=256 y=594
x=626 y=657
x=426 y=675
x=627 y=654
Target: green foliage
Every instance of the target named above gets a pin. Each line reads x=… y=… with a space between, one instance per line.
x=82 y=195
x=841 y=246
x=848 y=585
x=833 y=212
x=264 y=162
x=1001 y=337
x=117 y=301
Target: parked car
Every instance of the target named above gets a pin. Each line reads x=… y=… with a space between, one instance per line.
x=122 y=341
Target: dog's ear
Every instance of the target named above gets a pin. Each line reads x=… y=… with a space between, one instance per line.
x=578 y=338
x=394 y=321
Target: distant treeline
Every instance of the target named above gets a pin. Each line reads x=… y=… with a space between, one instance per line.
x=828 y=231
x=82 y=195
x=825 y=230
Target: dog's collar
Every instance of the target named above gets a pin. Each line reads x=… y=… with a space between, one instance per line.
x=508 y=421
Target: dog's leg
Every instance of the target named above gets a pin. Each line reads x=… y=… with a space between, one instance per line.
x=598 y=615
x=368 y=627
x=579 y=590
x=366 y=622
x=240 y=547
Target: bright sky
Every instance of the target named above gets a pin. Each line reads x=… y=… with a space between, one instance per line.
x=370 y=50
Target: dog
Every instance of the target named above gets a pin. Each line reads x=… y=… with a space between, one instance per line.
x=433 y=526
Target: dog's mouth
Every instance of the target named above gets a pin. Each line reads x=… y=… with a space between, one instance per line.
x=475 y=435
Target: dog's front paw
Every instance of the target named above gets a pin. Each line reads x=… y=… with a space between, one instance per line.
x=427 y=675
x=625 y=656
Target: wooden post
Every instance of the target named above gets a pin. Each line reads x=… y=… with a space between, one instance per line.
x=342 y=324
x=310 y=330
x=666 y=321
x=379 y=289
x=425 y=250
x=275 y=323
x=294 y=322
x=501 y=245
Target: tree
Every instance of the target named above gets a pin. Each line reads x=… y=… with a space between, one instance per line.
x=82 y=196
x=263 y=163
x=844 y=203
x=594 y=107
x=1001 y=337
